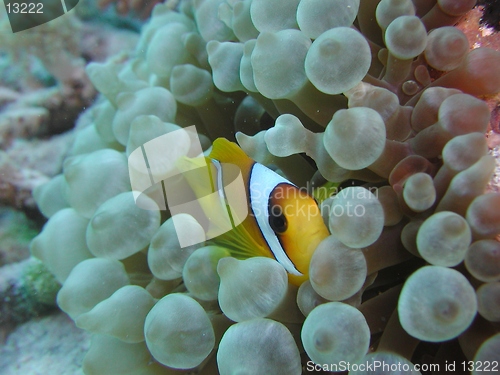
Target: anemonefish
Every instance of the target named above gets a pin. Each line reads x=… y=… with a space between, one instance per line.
x=283 y=222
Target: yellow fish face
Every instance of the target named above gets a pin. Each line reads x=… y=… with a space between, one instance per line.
x=296 y=220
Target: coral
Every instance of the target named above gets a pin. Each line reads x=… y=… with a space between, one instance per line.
x=30 y=294
x=17 y=184
x=335 y=332
x=48 y=344
x=141 y=9
x=56 y=45
x=16 y=233
x=43 y=90
x=363 y=110
x=39 y=284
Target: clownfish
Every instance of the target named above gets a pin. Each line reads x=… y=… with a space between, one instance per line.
x=283 y=222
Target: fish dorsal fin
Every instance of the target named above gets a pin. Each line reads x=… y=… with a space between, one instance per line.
x=229 y=152
x=226 y=151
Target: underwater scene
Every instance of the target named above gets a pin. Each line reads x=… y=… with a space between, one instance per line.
x=249 y=187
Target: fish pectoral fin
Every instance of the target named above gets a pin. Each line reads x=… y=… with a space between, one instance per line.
x=244 y=241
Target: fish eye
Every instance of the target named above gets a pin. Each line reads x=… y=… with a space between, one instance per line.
x=277 y=219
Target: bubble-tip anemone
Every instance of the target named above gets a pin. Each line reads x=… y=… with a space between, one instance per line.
x=336 y=271
x=166 y=257
x=356 y=217
x=317 y=16
x=482 y=260
x=121 y=315
x=436 y=304
x=443 y=239
x=88 y=175
x=102 y=278
x=266 y=339
x=178 y=332
x=61 y=251
x=200 y=272
x=393 y=364
x=355 y=137
x=328 y=61
x=119 y=228
x=488 y=352
x=250 y=288
x=488 y=298
x=335 y=332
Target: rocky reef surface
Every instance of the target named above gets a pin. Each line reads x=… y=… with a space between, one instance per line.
x=381 y=105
